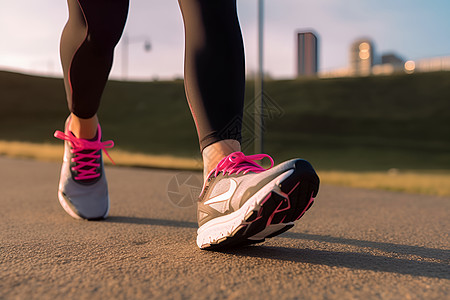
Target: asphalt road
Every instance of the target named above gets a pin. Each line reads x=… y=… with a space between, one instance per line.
x=352 y=244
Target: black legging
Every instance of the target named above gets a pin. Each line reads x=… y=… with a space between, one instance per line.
x=214 y=61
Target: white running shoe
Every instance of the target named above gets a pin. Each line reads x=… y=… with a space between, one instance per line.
x=243 y=203
x=83 y=190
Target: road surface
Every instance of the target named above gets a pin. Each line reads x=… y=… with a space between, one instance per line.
x=352 y=244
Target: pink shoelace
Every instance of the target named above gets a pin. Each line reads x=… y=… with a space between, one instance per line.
x=86 y=153
x=238 y=162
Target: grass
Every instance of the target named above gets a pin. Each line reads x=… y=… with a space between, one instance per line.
x=363 y=126
x=353 y=124
x=426 y=182
x=50 y=152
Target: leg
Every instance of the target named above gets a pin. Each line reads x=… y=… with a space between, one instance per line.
x=87 y=46
x=214 y=75
x=241 y=202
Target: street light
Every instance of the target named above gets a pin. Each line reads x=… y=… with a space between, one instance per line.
x=126 y=41
x=259 y=83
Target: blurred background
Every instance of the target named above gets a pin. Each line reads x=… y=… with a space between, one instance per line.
x=353 y=86
x=414 y=30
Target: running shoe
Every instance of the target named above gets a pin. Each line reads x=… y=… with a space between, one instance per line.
x=83 y=189
x=243 y=203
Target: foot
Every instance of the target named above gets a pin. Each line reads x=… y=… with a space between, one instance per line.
x=243 y=203
x=83 y=190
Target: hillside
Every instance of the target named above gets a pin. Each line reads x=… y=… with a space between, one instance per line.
x=373 y=123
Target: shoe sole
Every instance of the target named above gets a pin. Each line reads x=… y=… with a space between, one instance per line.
x=270 y=212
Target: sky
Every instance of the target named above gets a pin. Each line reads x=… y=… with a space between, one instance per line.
x=413 y=29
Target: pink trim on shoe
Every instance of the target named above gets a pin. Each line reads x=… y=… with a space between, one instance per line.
x=237 y=162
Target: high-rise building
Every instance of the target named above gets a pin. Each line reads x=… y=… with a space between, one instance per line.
x=361 y=57
x=393 y=59
x=307 y=54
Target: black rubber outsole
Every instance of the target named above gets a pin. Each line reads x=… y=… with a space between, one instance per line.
x=279 y=208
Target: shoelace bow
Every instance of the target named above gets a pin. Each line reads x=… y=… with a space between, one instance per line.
x=86 y=154
x=238 y=162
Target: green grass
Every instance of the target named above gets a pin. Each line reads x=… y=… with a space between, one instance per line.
x=365 y=123
x=354 y=124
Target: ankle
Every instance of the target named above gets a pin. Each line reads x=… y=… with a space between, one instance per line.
x=214 y=153
x=83 y=128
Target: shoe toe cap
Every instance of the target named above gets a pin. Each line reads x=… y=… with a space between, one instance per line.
x=86 y=202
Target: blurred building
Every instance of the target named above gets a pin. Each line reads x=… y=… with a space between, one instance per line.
x=393 y=59
x=307 y=54
x=390 y=63
x=361 y=57
x=365 y=62
x=433 y=64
